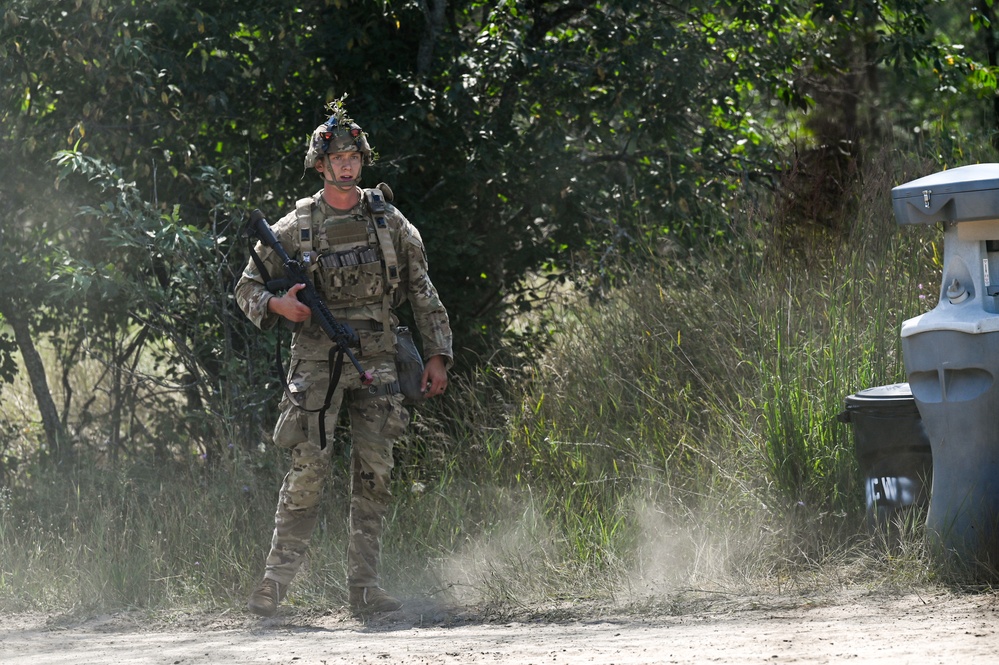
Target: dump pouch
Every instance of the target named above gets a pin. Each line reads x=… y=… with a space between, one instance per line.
x=409 y=366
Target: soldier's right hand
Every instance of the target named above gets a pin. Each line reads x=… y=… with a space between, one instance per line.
x=289 y=306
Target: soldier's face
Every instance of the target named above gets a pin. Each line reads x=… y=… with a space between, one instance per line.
x=341 y=167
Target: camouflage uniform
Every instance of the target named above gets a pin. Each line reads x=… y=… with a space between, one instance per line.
x=356 y=294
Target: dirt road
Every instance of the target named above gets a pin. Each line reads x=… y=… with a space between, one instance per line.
x=851 y=626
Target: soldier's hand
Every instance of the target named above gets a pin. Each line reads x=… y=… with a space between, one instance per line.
x=289 y=305
x=434 y=381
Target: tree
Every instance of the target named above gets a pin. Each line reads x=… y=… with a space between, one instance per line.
x=92 y=79
x=532 y=142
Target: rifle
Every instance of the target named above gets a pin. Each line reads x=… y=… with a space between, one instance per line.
x=342 y=335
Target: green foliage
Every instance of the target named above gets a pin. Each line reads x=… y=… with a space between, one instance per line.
x=680 y=433
x=152 y=297
x=550 y=131
x=540 y=147
x=709 y=388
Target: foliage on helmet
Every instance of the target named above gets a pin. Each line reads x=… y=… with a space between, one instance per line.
x=338 y=134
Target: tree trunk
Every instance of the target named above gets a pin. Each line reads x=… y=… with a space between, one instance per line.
x=55 y=433
x=433 y=16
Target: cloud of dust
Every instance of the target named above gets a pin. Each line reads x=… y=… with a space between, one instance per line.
x=521 y=557
x=510 y=559
x=711 y=548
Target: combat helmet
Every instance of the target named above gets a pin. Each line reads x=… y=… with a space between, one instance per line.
x=338 y=134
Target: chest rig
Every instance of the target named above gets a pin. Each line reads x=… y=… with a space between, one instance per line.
x=352 y=261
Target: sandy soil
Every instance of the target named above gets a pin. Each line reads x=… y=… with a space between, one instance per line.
x=850 y=626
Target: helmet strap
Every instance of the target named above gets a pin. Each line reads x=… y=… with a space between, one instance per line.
x=328 y=171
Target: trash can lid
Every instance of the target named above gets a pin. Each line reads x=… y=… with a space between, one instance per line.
x=896 y=393
x=965 y=193
x=971 y=178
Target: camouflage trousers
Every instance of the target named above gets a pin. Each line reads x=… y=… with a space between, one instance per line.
x=375 y=423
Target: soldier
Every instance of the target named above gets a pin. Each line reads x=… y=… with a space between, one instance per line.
x=365 y=263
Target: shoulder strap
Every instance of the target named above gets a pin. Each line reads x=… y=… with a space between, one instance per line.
x=375 y=198
x=303 y=214
x=376 y=204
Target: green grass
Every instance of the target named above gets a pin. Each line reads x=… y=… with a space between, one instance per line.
x=679 y=434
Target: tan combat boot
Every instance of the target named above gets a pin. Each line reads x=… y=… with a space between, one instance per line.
x=371 y=600
x=265 y=600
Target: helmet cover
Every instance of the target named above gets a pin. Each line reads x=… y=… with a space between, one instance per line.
x=338 y=134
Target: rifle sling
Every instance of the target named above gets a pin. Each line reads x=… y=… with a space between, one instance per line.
x=335 y=361
x=336 y=354
x=257 y=261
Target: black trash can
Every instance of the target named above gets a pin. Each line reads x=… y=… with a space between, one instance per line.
x=894 y=455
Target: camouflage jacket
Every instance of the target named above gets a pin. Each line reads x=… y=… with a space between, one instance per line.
x=347 y=268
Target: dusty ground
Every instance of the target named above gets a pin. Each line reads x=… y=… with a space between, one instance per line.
x=850 y=626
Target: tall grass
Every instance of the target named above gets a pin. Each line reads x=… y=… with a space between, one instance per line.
x=679 y=434
x=96 y=539
x=685 y=429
